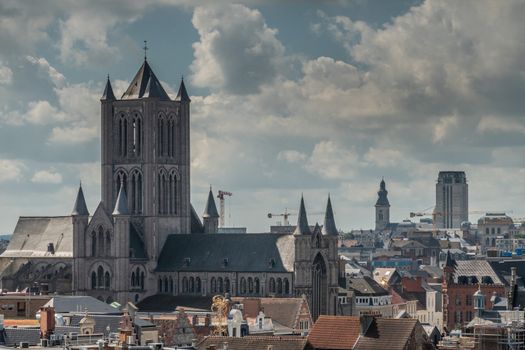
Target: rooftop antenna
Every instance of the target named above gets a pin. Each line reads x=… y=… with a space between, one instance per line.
x=145 y=50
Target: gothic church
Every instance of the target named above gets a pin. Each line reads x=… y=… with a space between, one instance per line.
x=145 y=237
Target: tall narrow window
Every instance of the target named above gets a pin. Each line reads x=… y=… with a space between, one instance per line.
x=107 y=280
x=93 y=280
x=100 y=249
x=93 y=243
x=108 y=244
x=136 y=135
x=135 y=196
x=122 y=136
x=163 y=188
x=172 y=193
x=100 y=277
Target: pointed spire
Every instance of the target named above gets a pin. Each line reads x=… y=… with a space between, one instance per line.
x=329 y=227
x=182 y=95
x=121 y=206
x=210 y=211
x=144 y=85
x=80 y=207
x=302 y=221
x=450 y=262
x=108 y=94
x=382 y=200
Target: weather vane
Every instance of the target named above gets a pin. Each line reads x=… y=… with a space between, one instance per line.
x=145 y=49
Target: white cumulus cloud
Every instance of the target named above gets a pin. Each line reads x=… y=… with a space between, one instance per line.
x=47 y=176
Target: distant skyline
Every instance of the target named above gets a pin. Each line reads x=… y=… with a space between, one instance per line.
x=287 y=97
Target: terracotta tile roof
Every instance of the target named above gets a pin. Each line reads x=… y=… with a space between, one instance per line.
x=254 y=343
x=335 y=332
x=387 y=333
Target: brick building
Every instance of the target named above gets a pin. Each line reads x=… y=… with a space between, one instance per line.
x=461 y=279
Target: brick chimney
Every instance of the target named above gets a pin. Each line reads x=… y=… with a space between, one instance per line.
x=47 y=322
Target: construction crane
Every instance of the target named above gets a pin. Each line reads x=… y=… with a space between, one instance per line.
x=285 y=216
x=221 y=194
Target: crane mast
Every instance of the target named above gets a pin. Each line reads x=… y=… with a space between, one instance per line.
x=221 y=195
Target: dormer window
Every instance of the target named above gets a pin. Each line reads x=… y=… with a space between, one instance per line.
x=187 y=261
x=224 y=262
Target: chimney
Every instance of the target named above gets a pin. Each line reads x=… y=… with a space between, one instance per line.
x=47 y=321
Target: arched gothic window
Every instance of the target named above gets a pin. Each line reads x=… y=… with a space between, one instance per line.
x=243 y=285
x=108 y=244
x=93 y=243
x=142 y=280
x=250 y=285
x=171 y=285
x=198 y=285
x=286 y=286
x=220 y=285
x=172 y=196
x=279 y=286
x=227 y=285
x=136 y=135
x=257 y=285
x=213 y=285
x=100 y=248
x=100 y=277
x=272 y=285
x=135 y=189
x=93 y=280
x=184 y=285
x=163 y=192
x=133 y=279
x=122 y=136
x=192 y=285
x=159 y=287
x=166 y=287
x=107 y=280
x=162 y=135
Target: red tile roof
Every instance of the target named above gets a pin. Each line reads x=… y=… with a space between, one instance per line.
x=335 y=332
x=254 y=343
x=387 y=333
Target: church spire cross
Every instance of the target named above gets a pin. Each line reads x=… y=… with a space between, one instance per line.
x=145 y=50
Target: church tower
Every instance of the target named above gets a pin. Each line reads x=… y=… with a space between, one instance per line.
x=382 y=207
x=146 y=149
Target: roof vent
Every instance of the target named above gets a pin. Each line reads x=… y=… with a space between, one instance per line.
x=271 y=263
x=51 y=248
x=224 y=262
x=187 y=261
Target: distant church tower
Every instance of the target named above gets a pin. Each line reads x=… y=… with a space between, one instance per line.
x=382 y=207
x=146 y=147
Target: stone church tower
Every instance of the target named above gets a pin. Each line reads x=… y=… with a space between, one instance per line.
x=316 y=266
x=145 y=190
x=146 y=147
x=382 y=207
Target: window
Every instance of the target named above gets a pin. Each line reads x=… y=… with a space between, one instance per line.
x=227 y=285
x=272 y=285
x=492 y=230
x=286 y=286
x=192 y=285
x=93 y=280
x=198 y=284
x=458 y=300
x=257 y=285
x=499 y=230
x=185 y=285
x=243 y=285
x=250 y=285
x=220 y=285
x=107 y=280
x=279 y=286
x=213 y=285
x=487 y=231
x=468 y=300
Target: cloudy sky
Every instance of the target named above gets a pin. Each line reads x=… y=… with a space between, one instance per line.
x=288 y=97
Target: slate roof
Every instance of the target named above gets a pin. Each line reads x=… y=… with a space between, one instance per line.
x=80 y=207
x=282 y=310
x=196 y=224
x=71 y=304
x=302 y=227
x=366 y=286
x=254 y=343
x=33 y=234
x=387 y=333
x=168 y=303
x=210 y=210
x=145 y=84
x=182 y=94
x=335 y=332
x=329 y=227
x=13 y=336
x=477 y=268
x=108 y=92
x=101 y=322
x=503 y=268
x=258 y=252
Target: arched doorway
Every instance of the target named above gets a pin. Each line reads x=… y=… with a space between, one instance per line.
x=319 y=287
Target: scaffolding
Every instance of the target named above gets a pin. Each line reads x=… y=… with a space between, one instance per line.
x=489 y=336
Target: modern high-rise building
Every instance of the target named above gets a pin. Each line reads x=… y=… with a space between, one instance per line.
x=451 y=199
